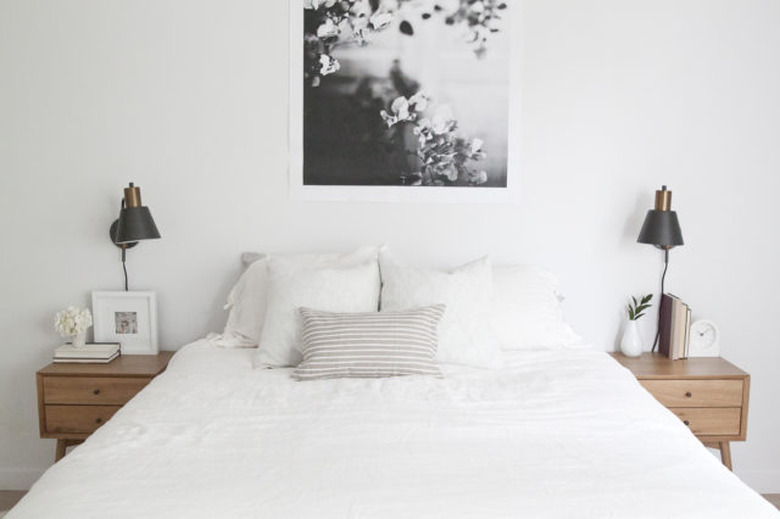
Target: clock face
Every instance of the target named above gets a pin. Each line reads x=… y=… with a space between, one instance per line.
x=704 y=339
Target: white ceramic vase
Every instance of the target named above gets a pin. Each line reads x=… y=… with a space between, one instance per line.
x=79 y=340
x=631 y=342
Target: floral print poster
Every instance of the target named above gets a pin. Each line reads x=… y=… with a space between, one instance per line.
x=402 y=99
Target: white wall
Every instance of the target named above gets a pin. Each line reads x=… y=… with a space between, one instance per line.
x=188 y=99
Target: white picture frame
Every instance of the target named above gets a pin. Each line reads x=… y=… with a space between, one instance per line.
x=129 y=318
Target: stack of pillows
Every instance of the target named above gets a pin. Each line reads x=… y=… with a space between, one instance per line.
x=362 y=314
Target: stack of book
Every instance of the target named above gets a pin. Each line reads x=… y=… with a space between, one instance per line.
x=675 y=327
x=99 y=352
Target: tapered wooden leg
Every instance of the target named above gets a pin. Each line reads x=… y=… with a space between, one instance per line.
x=62 y=446
x=60 y=453
x=725 y=454
x=725 y=451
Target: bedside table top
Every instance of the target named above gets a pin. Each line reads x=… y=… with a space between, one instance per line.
x=122 y=366
x=657 y=366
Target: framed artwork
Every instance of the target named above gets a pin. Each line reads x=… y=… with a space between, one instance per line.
x=129 y=318
x=405 y=100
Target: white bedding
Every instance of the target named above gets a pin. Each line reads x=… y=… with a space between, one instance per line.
x=554 y=434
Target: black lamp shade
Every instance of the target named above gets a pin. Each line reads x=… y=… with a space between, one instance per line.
x=135 y=224
x=662 y=229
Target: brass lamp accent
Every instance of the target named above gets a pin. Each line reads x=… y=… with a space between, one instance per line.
x=133 y=196
x=663 y=199
x=135 y=223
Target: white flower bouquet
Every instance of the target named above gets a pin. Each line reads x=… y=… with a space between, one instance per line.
x=73 y=321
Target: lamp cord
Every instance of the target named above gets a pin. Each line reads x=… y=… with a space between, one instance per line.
x=661 y=300
x=124 y=266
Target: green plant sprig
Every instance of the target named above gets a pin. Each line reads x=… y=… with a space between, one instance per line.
x=637 y=309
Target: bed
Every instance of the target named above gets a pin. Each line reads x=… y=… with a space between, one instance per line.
x=552 y=432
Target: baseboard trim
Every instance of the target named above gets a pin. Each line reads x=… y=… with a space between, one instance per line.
x=19 y=479
x=762 y=481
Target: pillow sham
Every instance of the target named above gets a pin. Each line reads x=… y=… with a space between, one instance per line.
x=465 y=333
x=369 y=345
x=527 y=312
x=247 y=299
x=344 y=289
x=246 y=302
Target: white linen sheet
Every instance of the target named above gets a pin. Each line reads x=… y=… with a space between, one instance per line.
x=554 y=434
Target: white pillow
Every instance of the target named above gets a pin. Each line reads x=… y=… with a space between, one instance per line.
x=527 y=312
x=465 y=333
x=246 y=302
x=290 y=286
x=247 y=298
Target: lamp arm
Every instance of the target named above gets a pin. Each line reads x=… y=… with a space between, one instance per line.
x=661 y=300
x=124 y=266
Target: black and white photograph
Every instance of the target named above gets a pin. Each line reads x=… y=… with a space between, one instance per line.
x=126 y=322
x=404 y=93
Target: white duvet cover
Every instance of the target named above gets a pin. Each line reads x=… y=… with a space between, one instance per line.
x=563 y=434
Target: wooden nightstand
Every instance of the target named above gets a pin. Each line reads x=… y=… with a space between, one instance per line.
x=75 y=399
x=709 y=394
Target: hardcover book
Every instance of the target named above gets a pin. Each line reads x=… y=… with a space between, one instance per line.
x=91 y=352
x=87 y=360
x=674 y=327
x=665 y=325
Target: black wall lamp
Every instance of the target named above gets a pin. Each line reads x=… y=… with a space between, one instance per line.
x=662 y=229
x=135 y=223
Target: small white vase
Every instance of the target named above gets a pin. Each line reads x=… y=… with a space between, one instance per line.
x=631 y=342
x=79 y=340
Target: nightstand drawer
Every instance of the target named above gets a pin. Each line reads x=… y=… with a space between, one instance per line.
x=91 y=390
x=77 y=418
x=696 y=393
x=711 y=421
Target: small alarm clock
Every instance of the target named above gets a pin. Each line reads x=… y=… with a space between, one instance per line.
x=703 y=341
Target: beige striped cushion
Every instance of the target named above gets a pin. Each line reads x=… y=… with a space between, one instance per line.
x=374 y=344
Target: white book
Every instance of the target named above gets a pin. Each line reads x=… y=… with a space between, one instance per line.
x=94 y=350
x=85 y=360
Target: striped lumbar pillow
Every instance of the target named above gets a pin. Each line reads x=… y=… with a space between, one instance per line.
x=373 y=344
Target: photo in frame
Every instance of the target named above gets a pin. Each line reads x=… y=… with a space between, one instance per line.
x=400 y=100
x=129 y=318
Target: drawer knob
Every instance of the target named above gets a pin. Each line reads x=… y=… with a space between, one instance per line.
x=96 y=392
x=687 y=395
x=98 y=420
x=686 y=422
